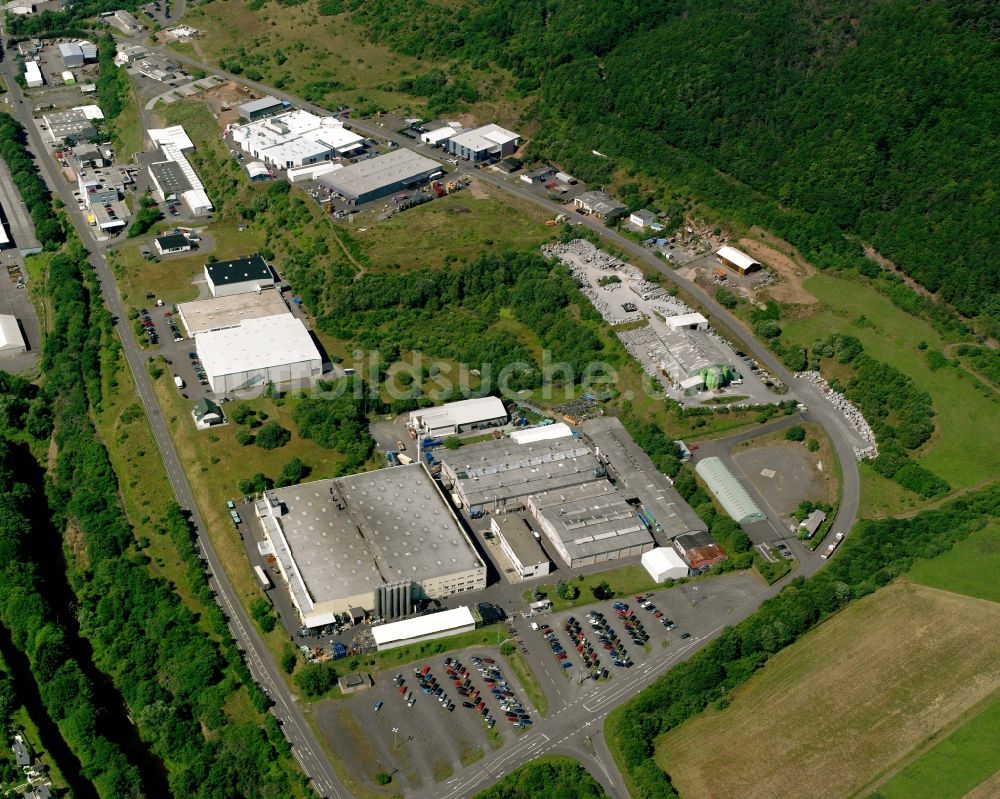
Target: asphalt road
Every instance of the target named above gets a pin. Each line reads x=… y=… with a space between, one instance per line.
x=574 y=729
x=305 y=745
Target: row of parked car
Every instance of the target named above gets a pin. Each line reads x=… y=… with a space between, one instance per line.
x=556 y=647
x=199 y=370
x=608 y=639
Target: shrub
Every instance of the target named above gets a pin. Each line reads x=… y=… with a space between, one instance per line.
x=796 y=433
x=272 y=435
x=315 y=679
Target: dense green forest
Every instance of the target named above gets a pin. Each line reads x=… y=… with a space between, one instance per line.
x=875 y=553
x=871 y=119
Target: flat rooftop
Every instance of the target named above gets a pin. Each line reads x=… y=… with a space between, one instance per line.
x=639 y=478
x=217 y=313
x=349 y=535
x=170 y=176
x=591 y=519
x=683 y=353
x=502 y=469
x=399 y=166
x=256 y=344
x=519 y=538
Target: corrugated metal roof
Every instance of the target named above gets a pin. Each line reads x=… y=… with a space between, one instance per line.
x=423 y=625
x=729 y=491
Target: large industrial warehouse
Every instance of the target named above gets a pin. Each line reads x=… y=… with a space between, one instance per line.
x=562 y=483
x=381 y=176
x=729 y=491
x=379 y=541
x=219 y=313
x=258 y=351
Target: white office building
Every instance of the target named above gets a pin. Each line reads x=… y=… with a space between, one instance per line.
x=521 y=544
x=296 y=138
x=458 y=417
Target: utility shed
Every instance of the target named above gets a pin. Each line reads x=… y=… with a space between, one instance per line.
x=381 y=176
x=729 y=491
x=736 y=260
x=664 y=564
x=423 y=628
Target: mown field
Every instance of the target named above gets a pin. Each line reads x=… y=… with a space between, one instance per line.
x=847 y=702
x=958 y=452
x=971 y=567
x=954 y=766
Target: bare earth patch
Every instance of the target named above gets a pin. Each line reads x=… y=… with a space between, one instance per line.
x=793 y=270
x=846 y=704
x=476 y=190
x=987 y=790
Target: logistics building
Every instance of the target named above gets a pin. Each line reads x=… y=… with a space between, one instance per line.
x=296 y=138
x=173 y=177
x=258 y=351
x=458 y=417
x=380 y=541
x=381 y=176
x=489 y=142
x=729 y=491
x=238 y=276
x=520 y=543
x=736 y=260
x=11 y=340
x=76 y=124
x=440 y=136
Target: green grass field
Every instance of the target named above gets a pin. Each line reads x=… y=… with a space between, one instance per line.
x=971 y=567
x=846 y=703
x=463 y=224
x=955 y=765
x=623 y=582
x=958 y=451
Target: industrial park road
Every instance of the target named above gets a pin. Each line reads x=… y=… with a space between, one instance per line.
x=566 y=732
x=305 y=745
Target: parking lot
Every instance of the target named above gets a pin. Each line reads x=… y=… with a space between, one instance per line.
x=432 y=741
x=166 y=337
x=433 y=735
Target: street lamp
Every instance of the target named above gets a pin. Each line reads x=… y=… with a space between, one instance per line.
x=394 y=741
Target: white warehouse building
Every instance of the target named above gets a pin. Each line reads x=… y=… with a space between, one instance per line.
x=458 y=417
x=270 y=349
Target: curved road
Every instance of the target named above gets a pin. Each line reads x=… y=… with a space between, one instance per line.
x=574 y=729
x=305 y=746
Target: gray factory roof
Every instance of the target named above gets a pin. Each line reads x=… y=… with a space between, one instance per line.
x=399 y=166
x=520 y=539
x=638 y=477
x=264 y=103
x=502 y=469
x=170 y=176
x=686 y=352
x=591 y=519
x=729 y=491
x=351 y=534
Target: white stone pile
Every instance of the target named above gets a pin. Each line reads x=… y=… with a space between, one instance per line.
x=851 y=414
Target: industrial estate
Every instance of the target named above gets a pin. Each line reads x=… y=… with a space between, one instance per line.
x=392 y=446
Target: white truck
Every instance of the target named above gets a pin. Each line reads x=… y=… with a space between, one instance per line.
x=178 y=381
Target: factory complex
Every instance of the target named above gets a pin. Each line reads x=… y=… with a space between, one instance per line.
x=377 y=177
x=379 y=541
x=292 y=139
x=592 y=499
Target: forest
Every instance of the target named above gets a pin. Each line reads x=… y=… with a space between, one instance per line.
x=874 y=554
x=551 y=777
x=828 y=123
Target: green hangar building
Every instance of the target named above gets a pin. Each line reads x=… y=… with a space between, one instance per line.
x=729 y=491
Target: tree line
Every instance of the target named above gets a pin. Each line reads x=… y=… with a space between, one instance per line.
x=34 y=192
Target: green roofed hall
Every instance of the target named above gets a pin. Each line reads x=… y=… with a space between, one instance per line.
x=729 y=491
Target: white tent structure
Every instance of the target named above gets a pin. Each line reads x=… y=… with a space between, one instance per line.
x=664 y=564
